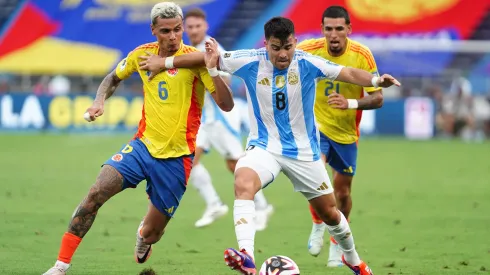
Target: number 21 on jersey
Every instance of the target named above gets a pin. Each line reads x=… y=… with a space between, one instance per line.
x=331 y=87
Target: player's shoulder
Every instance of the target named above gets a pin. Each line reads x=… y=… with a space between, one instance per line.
x=310 y=45
x=189 y=49
x=141 y=49
x=358 y=47
x=146 y=47
x=364 y=54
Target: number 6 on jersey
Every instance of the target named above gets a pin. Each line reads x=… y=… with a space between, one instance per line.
x=162 y=90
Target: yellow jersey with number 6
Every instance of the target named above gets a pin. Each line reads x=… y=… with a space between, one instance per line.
x=341 y=126
x=172 y=105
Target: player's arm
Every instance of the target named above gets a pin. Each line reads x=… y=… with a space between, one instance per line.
x=156 y=64
x=374 y=97
x=108 y=86
x=222 y=94
x=365 y=79
x=332 y=71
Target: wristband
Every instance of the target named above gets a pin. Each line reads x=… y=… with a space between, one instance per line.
x=352 y=103
x=374 y=81
x=169 y=62
x=213 y=72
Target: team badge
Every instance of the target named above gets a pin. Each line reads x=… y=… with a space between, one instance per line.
x=117 y=157
x=172 y=72
x=227 y=55
x=280 y=81
x=293 y=78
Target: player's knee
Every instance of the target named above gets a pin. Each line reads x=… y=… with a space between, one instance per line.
x=326 y=208
x=151 y=235
x=245 y=184
x=95 y=198
x=342 y=186
x=331 y=215
x=342 y=193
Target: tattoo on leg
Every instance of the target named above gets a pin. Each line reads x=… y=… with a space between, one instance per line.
x=108 y=183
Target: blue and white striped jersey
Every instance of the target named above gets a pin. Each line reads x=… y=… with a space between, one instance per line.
x=280 y=102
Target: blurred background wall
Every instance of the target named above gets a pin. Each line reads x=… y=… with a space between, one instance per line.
x=53 y=55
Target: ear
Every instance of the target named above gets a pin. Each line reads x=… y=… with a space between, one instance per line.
x=152 y=30
x=265 y=42
x=349 y=29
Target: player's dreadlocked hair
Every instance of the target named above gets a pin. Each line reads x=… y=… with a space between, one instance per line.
x=336 y=12
x=279 y=27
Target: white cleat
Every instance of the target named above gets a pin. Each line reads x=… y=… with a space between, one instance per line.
x=142 y=251
x=58 y=269
x=334 y=255
x=211 y=214
x=262 y=217
x=315 y=242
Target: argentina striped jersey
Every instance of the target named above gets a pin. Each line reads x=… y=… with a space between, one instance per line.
x=280 y=102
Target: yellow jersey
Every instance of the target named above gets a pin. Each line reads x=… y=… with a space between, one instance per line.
x=341 y=126
x=172 y=103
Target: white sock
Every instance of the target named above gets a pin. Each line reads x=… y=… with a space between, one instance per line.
x=343 y=236
x=201 y=179
x=260 y=200
x=62 y=265
x=243 y=215
x=319 y=226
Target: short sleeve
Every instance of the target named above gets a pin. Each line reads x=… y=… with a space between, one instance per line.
x=368 y=63
x=232 y=61
x=324 y=68
x=126 y=67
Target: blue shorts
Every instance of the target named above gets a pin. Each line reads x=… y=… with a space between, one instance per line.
x=341 y=157
x=166 y=179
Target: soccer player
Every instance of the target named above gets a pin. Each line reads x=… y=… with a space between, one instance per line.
x=338 y=110
x=220 y=130
x=162 y=149
x=281 y=91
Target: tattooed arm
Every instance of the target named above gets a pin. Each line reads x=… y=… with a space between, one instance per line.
x=106 y=88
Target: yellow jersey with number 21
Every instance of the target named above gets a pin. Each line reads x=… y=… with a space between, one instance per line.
x=172 y=103
x=341 y=126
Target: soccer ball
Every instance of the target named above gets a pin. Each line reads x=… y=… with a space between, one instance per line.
x=279 y=265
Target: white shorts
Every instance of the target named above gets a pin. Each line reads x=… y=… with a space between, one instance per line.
x=308 y=177
x=217 y=135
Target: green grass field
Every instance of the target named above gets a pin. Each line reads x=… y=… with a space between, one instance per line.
x=419 y=208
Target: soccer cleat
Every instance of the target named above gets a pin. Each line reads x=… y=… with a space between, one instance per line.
x=211 y=214
x=334 y=255
x=56 y=270
x=240 y=261
x=361 y=269
x=262 y=217
x=142 y=251
x=315 y=242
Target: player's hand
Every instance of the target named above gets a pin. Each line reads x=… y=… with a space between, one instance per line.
x=337 y=101
x=212 y=53
x=153 y=63
x=387 y=80
x=94 y=111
